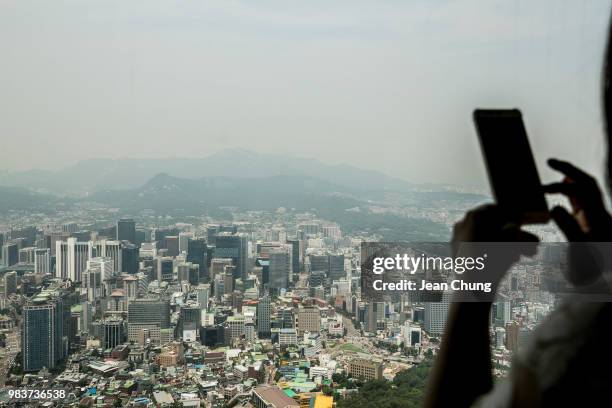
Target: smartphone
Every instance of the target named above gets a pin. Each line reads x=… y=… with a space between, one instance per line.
x=512 y=171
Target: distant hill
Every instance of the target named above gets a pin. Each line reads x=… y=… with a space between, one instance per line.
x=100 y=174
x=167 y=194
x=16 y=198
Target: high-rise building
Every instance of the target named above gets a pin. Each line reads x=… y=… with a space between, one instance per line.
x=234 y=246
x=297 y=254
x=308 y=320
x=10 y=254
x=126 y=230
x=114 y=332
x=263 y=317
x=197 y=254
x=165 y=268
x=336 y=267
x=42 y=261
x=148 y=317
x=104 y=264
x=184 y=238
x=280 y=267
x=436 y=314
x=71 y=259
x=9 y=282
x=42 y=343
x=26 y=255
x=172 y=245
x=108 y=249
x=129 y=258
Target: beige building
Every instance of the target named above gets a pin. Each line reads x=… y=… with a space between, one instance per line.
x=366 y=369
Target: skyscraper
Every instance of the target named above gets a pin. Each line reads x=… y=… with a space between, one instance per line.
x=42 y=343
x=297 y=254
x=10 y=254
x=436 y=314
x=126 y=230
x=279 y=268
x=234 y=246
x=197 y=254
x=148 y=316
x=263 y=317
x=42 y=261
x=71 y=259
x=109 y=249
x=129 y=258
x=114 y=332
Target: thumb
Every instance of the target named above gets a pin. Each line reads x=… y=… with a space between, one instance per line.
x=568 y=224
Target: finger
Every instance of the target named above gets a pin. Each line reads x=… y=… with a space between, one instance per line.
x=569 y=170
x=568 y=224
x=567 y=189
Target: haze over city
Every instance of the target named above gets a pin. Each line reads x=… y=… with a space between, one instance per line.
x=379 y=86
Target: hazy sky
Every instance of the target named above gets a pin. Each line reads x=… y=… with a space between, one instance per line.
x=378 y=84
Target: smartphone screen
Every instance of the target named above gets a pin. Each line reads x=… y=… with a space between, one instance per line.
x=511 y=168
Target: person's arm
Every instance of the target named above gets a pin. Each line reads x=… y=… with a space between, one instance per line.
x=462 y=371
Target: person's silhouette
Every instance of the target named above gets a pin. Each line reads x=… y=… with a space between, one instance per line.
x=568 y=358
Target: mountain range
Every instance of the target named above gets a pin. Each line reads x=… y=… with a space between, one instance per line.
x=93 y=175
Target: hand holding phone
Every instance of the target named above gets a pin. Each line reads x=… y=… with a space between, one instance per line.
x=513 y=175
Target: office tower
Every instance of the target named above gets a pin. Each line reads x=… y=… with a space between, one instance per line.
x=160 y=234
x=10 y=254
x=203 y=295
x=126 y=230
x=1 y=243
x=26 y=255
x=26 y=235
x=42 y=334
x=236 y=328
x=503 y=311
x=165 y=269
x=336 y=268
x=149 y=317
x=319 y=263
x=331 y=231
x=172 y=245
x=114 y=332
x=188 y=272
x=197 y=254
x=263 y=317
x=9 y=281
x=148 y=250
x=297 y=254
x=108 y=249
x=436 y=314
x=218 y=266
x=286 y=317
x=42 y=261
x=129 y=258
x=191 y=320
x=104 y=264
x=53 y=238
x=279 y=268
x=308 y=320
x=184 y=238
x=234 y=246
x=71 y=259
x=130 y=285
x=92 y=284
x=142 y=236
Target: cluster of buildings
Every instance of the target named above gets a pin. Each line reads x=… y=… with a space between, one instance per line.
x=261 y=312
